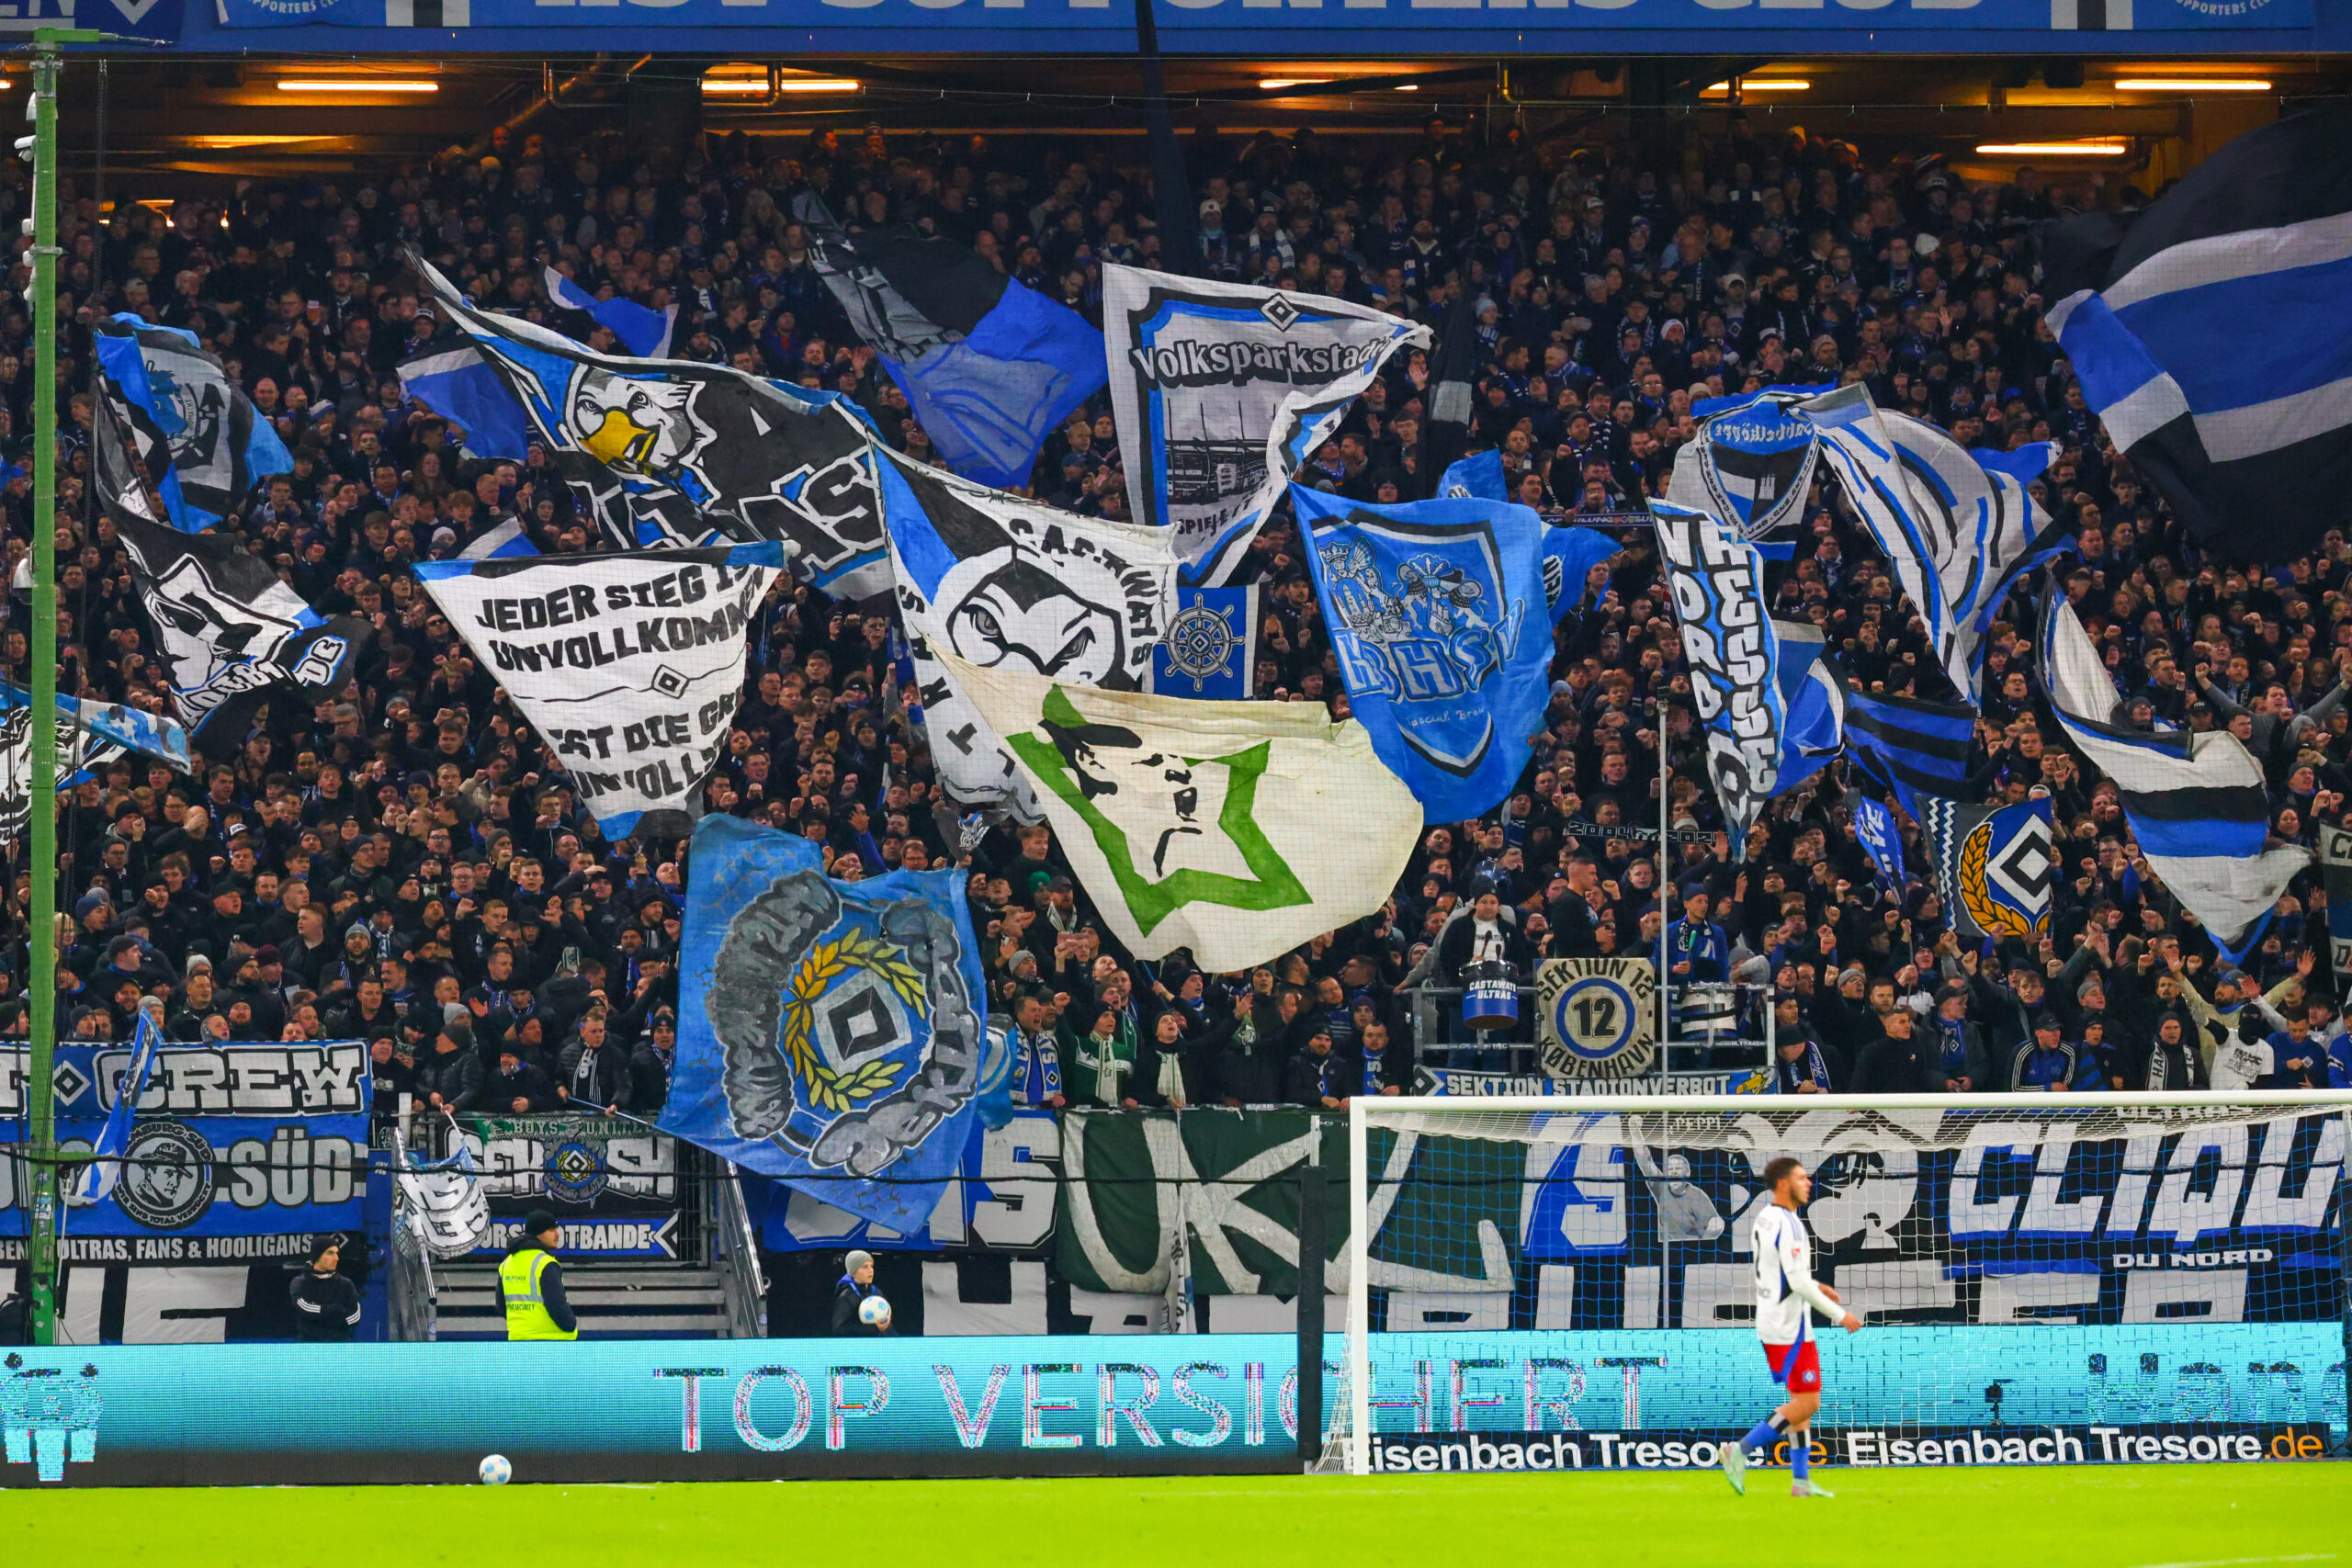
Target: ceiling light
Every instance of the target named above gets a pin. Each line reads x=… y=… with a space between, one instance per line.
x=1268 y=84
x=721 y=86
x=1759 y=85
x=255 y=139
x=1410 y=87
x=355 y=85
x=2102 y=149
x=818 y=84
x=2192 y=85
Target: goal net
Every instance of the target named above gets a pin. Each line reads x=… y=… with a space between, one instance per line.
x=1569 y=1283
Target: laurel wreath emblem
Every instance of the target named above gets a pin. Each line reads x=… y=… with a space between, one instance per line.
x=1975 y=852
x=826 y=962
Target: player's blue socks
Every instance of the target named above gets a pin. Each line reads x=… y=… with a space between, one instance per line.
x=1800 y=1456
x=1763 y=1435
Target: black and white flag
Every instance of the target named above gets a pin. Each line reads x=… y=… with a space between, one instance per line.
x=228 y=629
x=167 y=398
x=2210 y=334
x=630 y=666
x=1221 y=391
x=668 y=452
x=1005 y=582
x=2196 y=803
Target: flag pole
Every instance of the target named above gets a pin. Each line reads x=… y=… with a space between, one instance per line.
x=40 y=986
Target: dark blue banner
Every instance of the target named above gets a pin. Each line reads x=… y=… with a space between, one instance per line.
x=240 y=1141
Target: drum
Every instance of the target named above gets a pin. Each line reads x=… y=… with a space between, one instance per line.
x=1706 y=1007
x=1489 y=995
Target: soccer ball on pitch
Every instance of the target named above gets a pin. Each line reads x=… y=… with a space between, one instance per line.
x=873 y=1312
x=495 y=1471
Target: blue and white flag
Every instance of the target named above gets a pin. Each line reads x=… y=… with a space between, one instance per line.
x=644 y=333
x=1751 y=464
x=458 y=384
x=628 y=664
x=1718 y=579
x=2210 y=335
x=1957 y=526
x=505 y=542
x=1813 y=703
x=1569 y=556
x=109 y=729
x=1914 y=748
x=1479 y=477
x=104 y=1172
x=165 y=399
x=834 y=1032
x=1003 y=582
x=1993 y=866
x=1206 y=651
x=228 y=630
x=1431 y=611
x=669 y=454
x=989 y=365
x=1875 y=831
x=2197 y=804
x=1221 y=391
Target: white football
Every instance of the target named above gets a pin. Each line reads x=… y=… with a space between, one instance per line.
x=873 y=1312
x=495 y=1471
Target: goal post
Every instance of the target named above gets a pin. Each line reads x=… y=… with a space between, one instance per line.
x=1566 y=1283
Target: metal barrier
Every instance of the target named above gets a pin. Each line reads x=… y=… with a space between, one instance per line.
x=735 y=1253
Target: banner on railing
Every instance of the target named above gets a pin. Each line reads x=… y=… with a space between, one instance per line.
x=612 y=1185
x=239 y=1151
x=1597 y=1018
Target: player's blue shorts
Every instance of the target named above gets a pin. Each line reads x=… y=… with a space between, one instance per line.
x=1797 y=1367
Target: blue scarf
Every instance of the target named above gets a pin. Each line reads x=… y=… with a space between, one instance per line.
x=1785 y=1078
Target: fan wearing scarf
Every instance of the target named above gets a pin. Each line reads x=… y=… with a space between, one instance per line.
x=1104 y=1060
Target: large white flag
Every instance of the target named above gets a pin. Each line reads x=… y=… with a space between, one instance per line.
x=629 y=665
x=1239 y=830
x=1221 y=391
x=1007 y=582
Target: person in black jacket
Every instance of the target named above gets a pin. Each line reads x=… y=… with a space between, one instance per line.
x=1318 y=1077
x=592 y=1075
x=326 y=1305
x=518 y=1086
x=1898 y=1061
x=856 y=1284
x=1250 y=1069
x=451 y=1078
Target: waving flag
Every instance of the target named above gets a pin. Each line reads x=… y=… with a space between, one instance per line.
x=1213 y=827
x=459 y=384
x=669 y=453
x=105 y=1170
x=1569 y=556
x=1913 y=747
x=834 y=1034
x=1206 y=651
x=2210 y=335
x=228 y=630
x=1875 y=831
x=1992 y=865
x=1733 y=649
x=1479 y=477
x=171 y=402
x=1221 y=391
x=644 y=333
x=1751 y=463
x=1957 y=526
x=629 y=664
x=989 y=365
x=504 y=542
x=1007 y=582
x=1431 y=606
x=2196 y=803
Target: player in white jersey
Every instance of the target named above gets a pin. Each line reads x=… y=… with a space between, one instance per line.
x=1786 y=1293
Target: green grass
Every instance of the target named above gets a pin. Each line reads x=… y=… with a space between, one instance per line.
x=2120 y=1517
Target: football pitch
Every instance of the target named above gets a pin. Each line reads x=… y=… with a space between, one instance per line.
x=2184 y=1517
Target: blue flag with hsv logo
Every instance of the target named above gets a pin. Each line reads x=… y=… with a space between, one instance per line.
x=1434 y=611
x=834 y=1035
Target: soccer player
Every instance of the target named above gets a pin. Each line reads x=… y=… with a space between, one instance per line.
x=1785 y=1291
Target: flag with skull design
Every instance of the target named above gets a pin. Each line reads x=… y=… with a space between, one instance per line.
x=1005 y=582
x=666 y=453
x=840 y=1035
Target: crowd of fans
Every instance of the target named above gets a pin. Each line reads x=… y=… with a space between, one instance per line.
x=404 y=862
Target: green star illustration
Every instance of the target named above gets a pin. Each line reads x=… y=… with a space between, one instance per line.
x=1270 y=885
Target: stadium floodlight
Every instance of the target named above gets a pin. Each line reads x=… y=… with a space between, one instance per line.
x=2192 y=85
x=1508 y=1262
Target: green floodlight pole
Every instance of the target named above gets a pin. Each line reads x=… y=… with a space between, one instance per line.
x=42 y=918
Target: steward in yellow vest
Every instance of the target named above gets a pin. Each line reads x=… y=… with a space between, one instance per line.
x=530 y=1283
